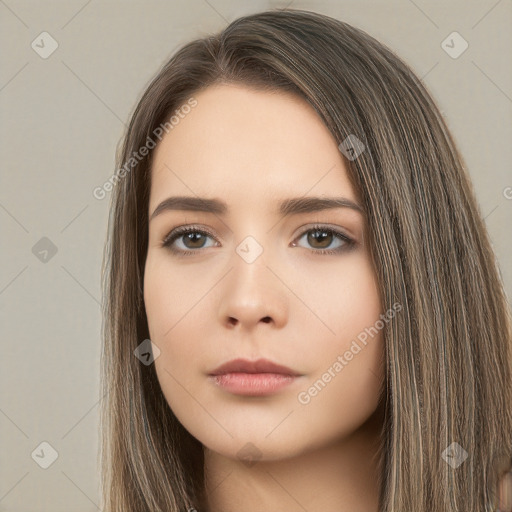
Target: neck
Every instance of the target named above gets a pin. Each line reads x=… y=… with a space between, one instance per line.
x=340 y=477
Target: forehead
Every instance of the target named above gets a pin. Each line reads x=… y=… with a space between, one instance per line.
x=251 y=144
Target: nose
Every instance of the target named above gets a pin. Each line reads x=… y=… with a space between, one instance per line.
x=253 y=294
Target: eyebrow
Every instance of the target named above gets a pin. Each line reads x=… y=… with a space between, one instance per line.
x=291 y=206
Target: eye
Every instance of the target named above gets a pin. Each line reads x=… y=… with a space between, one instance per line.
x=191 y=236
x=321 y=237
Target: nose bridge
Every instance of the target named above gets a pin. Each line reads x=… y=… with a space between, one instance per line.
x=250 y=275
x=252 y=293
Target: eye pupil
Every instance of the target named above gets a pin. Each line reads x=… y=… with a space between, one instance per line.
x=324 y=235
x=193 y=238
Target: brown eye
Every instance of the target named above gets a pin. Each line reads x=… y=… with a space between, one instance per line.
x=191 y=239
x=321 y=237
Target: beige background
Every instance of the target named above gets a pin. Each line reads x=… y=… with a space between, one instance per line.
x=61 y=120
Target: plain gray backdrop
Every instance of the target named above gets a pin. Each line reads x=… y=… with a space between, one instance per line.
x=63 y=114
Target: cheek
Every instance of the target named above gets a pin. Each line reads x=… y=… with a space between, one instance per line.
x=337 y=402
x=346 y=297
x=155 y=297
x=173 y=315
x=167 y=297
x=349 y=375
x=349 y=369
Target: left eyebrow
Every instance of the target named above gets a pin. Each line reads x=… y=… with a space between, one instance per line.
x=316 y=204
x=291 y=206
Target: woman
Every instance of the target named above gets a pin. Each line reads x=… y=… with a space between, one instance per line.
x=247 y=368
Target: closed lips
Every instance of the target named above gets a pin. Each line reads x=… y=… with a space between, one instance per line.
x=258 y=366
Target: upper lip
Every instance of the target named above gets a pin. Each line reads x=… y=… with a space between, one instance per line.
x=257 y=366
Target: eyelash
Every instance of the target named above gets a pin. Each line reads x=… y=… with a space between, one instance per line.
x=349 y=243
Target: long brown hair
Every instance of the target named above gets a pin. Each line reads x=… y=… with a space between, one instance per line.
x=449 y=352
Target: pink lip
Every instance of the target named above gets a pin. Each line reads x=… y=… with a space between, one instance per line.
x=252 y=378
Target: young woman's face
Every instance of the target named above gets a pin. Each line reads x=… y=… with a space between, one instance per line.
x=251 y=282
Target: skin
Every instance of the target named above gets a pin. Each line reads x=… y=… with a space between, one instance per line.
x=292 y=305
x=505 y=492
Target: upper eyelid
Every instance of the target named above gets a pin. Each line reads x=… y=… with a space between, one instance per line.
x=181 y=230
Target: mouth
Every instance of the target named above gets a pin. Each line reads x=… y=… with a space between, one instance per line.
x=253 y=378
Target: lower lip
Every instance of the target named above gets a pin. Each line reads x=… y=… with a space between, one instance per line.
x=252 y=384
